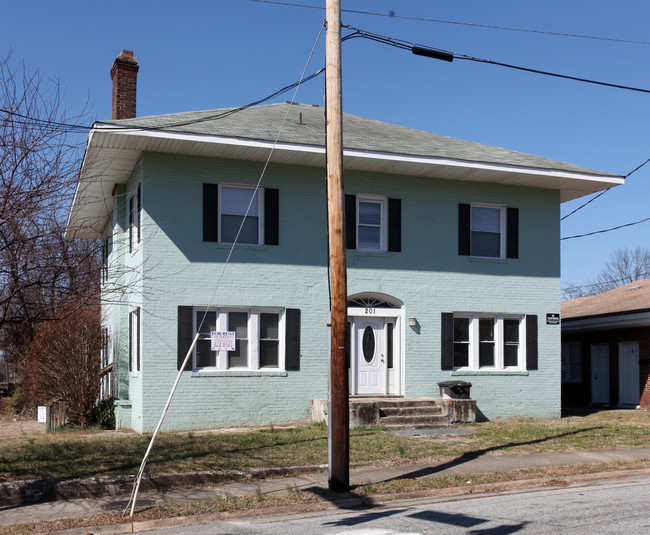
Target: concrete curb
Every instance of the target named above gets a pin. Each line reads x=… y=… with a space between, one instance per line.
x=33 y=491
x=28 y=492
x=378 y=500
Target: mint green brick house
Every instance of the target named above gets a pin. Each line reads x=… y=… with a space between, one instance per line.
x=453 y=252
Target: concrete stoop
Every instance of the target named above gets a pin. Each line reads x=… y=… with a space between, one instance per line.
x=403 y=413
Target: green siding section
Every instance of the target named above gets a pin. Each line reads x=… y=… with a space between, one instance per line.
x=174 y=267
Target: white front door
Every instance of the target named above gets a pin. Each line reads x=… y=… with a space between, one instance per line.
x=600 y=374
x=370 y=355
x=629 y=390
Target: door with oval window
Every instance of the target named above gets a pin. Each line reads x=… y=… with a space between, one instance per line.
x=370 y=355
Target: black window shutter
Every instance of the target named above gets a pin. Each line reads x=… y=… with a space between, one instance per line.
x=512 y=233
x=292 y=340
x=395 y=225
x=531 y=342
x=210 y=212
x=271 y=217
x=464 y=216
x=350 y=221
x=447 y=341
x=185 y=335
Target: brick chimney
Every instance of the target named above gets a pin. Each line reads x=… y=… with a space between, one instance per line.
x=124 y=74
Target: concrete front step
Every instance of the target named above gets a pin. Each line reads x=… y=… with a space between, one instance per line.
x=419 y=412
x=410 y=411
x=413 y=420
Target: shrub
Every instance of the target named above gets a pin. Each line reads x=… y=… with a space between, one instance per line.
x=103 y=414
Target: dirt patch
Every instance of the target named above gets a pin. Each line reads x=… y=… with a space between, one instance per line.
x=16 y=428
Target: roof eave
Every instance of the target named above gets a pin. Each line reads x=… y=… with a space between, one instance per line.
x=113 y=151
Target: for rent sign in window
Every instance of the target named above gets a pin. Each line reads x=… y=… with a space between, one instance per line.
x=222 y=340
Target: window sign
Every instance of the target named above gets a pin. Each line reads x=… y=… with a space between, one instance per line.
x=222 y=340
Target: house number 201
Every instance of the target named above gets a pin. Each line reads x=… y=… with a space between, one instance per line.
x=370 y=311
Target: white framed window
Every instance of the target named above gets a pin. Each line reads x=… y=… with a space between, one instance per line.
x=234 y=202
x=134 y=340
x=135 y=209
x=259 y=340
x=371 y=222
x=484 y=342
x=487 y=236
x=571 y=362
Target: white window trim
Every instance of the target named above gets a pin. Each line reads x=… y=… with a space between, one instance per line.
x=135 y=218
x=383 y=227
x=502 y=229
x=135 y=333
x=260 y=212
x=253 y=341
x=474 y=342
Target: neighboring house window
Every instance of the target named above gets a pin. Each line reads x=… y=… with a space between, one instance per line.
x=134 y=340
x=571 y=362
x=487 y=231
x=488 y=342
x=135 y=209
x=264 y=338
x=227 y=208
x=373 y=223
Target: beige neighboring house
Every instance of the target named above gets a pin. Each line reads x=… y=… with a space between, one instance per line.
x=606 y=348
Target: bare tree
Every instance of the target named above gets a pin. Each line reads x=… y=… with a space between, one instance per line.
x=41 y=272
x=64 y=362
x=624 y=266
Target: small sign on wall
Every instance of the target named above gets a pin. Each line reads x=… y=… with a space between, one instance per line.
x=553 y=319
x=42 y=414
x=222 y=340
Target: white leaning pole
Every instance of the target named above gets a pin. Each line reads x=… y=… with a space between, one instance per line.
x=136 y=487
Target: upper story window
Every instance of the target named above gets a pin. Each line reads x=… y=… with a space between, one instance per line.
x=488 y=231
x=227 y=208
x=239 y=208
x=487 y=239
x=373 y=223
x=135 y=210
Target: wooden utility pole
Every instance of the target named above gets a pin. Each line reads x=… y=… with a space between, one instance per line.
x=339 y=418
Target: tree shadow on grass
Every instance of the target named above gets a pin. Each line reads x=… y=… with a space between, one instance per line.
x=432 y=470
x=472 y=455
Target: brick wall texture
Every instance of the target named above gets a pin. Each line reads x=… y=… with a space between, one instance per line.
x=173 y=267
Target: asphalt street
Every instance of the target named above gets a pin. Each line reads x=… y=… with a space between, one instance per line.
x=612 y=507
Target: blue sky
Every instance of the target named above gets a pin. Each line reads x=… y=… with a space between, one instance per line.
x=210 y=54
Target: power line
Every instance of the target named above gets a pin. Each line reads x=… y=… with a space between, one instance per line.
x=606 y=230
x=436 y=52
x=603 y=192
x=58 y=126
x=392 y=15
x=600 y=283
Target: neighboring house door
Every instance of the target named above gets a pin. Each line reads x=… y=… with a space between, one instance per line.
x=600 y=374
x=628 y=374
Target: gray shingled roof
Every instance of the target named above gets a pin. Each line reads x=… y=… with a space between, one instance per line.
x=262 y=123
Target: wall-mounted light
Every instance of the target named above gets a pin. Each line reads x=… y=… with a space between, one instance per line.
x=413 y=322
